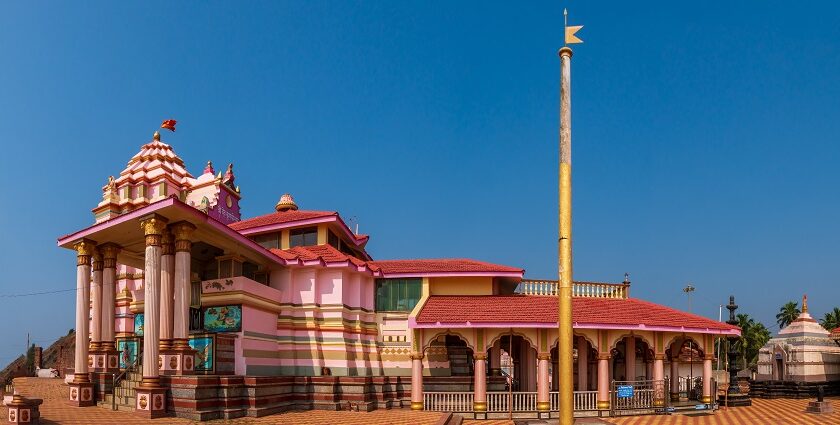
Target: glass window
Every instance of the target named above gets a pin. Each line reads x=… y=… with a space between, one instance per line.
x=308 y=236
x=268 y=240
x=397 y=294
x=332 y=239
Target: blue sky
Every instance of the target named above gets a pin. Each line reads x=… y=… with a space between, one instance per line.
x=705 y=134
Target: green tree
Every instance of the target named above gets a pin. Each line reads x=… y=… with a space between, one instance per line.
x=831 y=320
x=30 y=360
x=753 y=336
x=787 y=314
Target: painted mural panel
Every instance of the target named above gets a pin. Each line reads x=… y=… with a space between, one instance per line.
x=128 y=352
x=139 y=321
x=226 y=318
x=204 y=352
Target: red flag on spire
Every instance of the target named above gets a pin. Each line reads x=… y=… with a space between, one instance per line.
x=169 y=125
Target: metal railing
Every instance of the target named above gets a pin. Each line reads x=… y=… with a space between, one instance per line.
x=635 y=396
x=579 y=289
x=448 y=401
x=116 y=378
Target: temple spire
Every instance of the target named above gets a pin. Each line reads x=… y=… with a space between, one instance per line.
x=805 y=303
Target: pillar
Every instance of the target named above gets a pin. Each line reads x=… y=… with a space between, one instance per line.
x=659 y=380
x=707 y=379
x=167 y=290
x=496 y=359
x=97 y=360
x=543 y=393
x=603 y=381
x=630 y=358
x=109 y=302
x=182 y=232
x=417 y=381
x=583 y=364
x=150 y=396
x=81 y=389
x=480 y=384
x=675 y=378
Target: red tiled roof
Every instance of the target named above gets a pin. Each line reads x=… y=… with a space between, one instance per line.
x=279 y=218
x=543 y=310
x=442 y=265
x=325 y=253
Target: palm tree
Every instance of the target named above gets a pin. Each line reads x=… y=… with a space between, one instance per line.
x=831 y=320
x=787 y=314
x=753 y=336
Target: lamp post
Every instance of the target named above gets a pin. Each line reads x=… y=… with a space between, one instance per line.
x=688 y=290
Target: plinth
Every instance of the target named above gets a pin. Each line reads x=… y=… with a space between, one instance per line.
x=150 y=399
x=81 y=394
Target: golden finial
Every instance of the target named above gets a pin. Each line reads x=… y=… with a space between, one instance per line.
x=805 y=303
x=157 y=136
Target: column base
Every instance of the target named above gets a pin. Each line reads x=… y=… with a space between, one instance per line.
x=659 y=403
x=603 y=405
x=177 y=361
x=150 y=402
x=416 y=405
x=479 y=406
x=706 y=399
x=675 y=396
x=543 y=406
x=81 y=394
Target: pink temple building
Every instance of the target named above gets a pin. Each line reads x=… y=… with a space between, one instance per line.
x=203 y=314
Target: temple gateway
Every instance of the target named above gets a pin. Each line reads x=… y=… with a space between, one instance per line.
x=202 y=314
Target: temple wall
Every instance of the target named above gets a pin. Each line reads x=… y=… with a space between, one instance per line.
x=461 y=285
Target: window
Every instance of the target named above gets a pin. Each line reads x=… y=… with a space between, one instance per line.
x=268 y=240
x=332 y=239
x=397 y=294
x=307 y=236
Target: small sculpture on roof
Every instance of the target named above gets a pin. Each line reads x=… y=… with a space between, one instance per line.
x=209 y=168
x=286 y=203
x=229 y=177
x=156 y=136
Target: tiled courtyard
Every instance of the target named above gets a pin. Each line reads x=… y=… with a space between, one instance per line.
x=56 y=411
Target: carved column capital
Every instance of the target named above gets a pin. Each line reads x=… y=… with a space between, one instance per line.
x=416 y=356
x=167 y=243
x=84 y=250
x=97 y=260
x=182 y=231
x=480 y=356
x=544 y=356
x=109 y=254
x=153 y=227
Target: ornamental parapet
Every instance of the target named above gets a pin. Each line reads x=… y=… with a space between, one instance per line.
x=542 y=287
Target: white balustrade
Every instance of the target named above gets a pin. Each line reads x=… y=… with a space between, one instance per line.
x=448 y=401
x=579 y=289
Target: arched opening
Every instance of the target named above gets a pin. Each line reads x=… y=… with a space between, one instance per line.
x=518 y=362
x=686 y=367
x=778 y=364
x=450 y=355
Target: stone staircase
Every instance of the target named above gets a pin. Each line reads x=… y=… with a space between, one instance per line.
x=125 y=392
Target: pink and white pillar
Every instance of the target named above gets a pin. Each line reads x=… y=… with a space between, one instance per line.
x=707 y=379
x=182 y=296
x=81 y=389
x=603 y=381
x=416 y=381
x=480 y=383
x=543 y=393
x=583 y=363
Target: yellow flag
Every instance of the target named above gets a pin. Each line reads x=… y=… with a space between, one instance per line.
x=571 y=38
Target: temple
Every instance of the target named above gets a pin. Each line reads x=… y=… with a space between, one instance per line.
x=201 y=314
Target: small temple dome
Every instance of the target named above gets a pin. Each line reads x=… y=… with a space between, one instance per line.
x=286 y=203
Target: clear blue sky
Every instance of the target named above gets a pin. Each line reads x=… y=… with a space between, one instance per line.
x=705 y=134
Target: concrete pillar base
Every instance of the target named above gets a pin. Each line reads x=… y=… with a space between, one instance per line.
x=177 y=361
x=81 y=394
x=480 y=406
x=150 y=402
x=603 y=405
x=416 y=405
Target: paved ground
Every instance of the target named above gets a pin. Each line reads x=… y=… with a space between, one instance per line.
x=56 y=411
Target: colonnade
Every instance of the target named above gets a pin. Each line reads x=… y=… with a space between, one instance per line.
x=166 y=310
x=654 y=371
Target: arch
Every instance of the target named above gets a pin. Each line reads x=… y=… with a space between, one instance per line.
x=428 y=341
x=491 y=341
x=588 y=339
x=684 y=337
x=778 y=363
x=614 y=342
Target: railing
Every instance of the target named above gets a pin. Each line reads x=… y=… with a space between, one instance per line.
x=448 y=401
x=497 y=401
x=579 y=289
x=633 y=396
x=116 y=378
